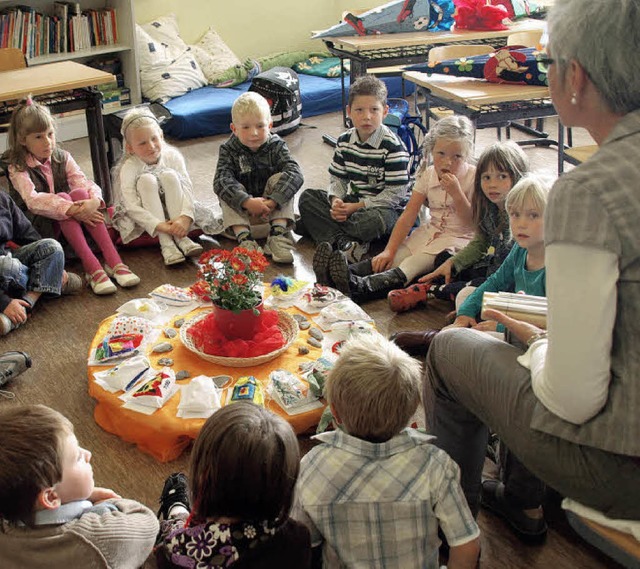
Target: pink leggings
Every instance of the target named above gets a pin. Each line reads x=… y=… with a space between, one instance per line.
x=72 y=230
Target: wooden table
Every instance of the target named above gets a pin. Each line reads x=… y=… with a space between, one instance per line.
x=408 y=48
x=488 y=104
x=64 y=86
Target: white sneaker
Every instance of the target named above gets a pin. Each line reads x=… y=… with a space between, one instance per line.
x=189 y=248
x=5 y=325
x=279 y=247
x=355 y=251
x=171 y=255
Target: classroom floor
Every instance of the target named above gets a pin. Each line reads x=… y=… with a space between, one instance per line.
x=59 y=332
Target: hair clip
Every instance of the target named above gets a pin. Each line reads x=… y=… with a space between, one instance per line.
x=29 y=102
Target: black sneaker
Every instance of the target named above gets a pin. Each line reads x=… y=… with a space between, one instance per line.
x=175 y=492
x=320 y=263
x=12 y=364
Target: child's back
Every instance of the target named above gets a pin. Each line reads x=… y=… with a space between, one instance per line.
x=375 y=492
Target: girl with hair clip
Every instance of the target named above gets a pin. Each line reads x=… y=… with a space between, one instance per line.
x=49 y=185
x=244 y=466
x=153 y=191
x=445 y=188
x=499 y=167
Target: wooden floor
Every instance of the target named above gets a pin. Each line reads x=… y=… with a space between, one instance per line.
x=59 y=332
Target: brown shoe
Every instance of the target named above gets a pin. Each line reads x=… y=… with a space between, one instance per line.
x=414 y=343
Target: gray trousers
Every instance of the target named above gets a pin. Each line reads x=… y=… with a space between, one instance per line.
x=364 y=225
x=473 y=382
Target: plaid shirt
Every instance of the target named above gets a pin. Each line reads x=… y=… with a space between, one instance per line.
x=380 y=504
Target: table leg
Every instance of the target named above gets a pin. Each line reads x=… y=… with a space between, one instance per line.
x=95 y=128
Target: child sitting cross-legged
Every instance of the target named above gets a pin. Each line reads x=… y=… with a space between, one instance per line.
x=244 y=466
x=51 y=514
x=256 y=179
x=374 y=492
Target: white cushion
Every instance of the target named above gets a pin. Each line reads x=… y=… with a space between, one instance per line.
x=213 y=55
x=168 y=67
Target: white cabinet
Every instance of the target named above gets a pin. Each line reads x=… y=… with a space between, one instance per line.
x=125 y=49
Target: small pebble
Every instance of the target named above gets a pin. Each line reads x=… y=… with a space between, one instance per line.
x=179 y=322
x=316 y=333
x=170 y=333
x=300 y=318
x=303 y=350
x=314 y=342
x=165 y=362
x=162 y=347
x=304 y=325
x=182 y=374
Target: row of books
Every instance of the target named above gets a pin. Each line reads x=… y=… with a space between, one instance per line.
x=67 y=29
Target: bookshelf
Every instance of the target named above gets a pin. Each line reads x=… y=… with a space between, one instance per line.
x=124 y=49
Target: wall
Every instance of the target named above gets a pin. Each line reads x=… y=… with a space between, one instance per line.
x=253 y=28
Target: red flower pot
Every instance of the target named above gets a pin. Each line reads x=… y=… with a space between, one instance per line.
x=237 y=325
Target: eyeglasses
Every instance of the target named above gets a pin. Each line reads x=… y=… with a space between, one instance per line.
x=544 y=62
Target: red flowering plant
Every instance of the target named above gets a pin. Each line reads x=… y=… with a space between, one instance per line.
x=231 y=279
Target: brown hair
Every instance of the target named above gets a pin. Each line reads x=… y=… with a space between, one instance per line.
x=374 y=388
x=244 y=464
x=28 y=117
x=30 y=457
x=368 y=86
x=505 y=157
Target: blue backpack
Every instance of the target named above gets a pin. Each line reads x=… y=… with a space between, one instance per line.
x=409 y=129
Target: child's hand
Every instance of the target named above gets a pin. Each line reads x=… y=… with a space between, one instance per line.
x=450 y=184
x=443 y=270
x=102 y=494
x=486 y=326
x=256 y=207
x=462 y=322
x=271 y=204
x=340 y=211
x=16 y=311
x=179 y=227
x=521 y=330
x=382 y=261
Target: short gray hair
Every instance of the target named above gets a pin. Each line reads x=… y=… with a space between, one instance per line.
x=453 y=127
x=603 y=36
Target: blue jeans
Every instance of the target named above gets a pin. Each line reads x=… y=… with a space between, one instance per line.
x=37 y=266
x=473 y=382
x=364 y=225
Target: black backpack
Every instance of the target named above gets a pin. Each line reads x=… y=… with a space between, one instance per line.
x=281 y=88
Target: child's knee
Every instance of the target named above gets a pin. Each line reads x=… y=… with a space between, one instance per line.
x=271 y=184
x=79 y=194
x=147 y=183
x=169 y=178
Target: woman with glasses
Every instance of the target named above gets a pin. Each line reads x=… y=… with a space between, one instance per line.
x=565 y=401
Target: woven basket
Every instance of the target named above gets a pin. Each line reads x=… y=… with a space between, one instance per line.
x=288 y=326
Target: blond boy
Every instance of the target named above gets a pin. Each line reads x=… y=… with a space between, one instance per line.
x=374 y=492
x=256 y=179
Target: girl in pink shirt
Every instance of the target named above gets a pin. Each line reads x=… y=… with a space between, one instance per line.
x=59 y=197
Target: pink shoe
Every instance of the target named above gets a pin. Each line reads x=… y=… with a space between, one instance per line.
x=403 y=299
x=100 y=283
x=123 y=275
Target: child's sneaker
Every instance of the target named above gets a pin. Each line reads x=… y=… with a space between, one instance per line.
x=354 y=251
x=73 y=285
x=250 y=245
x=171 y=255
x=100 y=283
x=123 y=275
x=279 y=247
x=403 y=299
x=174 y=493
x=189 y=248
x=320 y=263
x=6 y=325
x=12 y=364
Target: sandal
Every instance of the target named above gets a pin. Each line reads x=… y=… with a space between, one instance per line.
x=100 y=283
x=123 y=275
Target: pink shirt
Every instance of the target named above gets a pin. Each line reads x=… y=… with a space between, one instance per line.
x=50 y=204
x=445 y=230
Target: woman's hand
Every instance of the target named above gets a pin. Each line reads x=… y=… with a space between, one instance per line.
x=382 y=261
x=521 y=330
x=16 y=311
x=443 y=270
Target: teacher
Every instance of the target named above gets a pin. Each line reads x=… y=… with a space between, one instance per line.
x=569 y=408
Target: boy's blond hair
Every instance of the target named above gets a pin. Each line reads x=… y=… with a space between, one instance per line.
x=530 y=187
x=31 y=456
x=374 y=388
x=250 y=103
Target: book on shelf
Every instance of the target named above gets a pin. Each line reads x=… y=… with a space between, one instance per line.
x=525 y=307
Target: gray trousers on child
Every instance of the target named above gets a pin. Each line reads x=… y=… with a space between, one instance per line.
x=364 y=225
x=473 y=382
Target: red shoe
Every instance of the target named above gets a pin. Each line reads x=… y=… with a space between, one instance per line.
x=403 y=299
